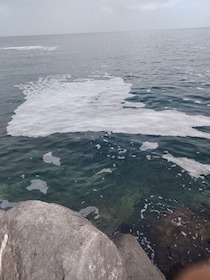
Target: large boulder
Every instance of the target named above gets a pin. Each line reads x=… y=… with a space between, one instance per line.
x=42 y=241
x=47 y=241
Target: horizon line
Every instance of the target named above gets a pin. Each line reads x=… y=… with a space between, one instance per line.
x=104 y=32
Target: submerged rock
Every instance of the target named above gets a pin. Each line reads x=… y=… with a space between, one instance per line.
x=180 y=238
x=47 y=241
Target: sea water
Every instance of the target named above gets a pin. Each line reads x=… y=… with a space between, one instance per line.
x=114 y=125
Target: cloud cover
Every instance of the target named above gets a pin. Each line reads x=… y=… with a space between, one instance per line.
x=75 y=16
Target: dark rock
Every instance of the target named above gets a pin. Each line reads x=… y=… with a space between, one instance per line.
x=180 y=238
x=174 y=271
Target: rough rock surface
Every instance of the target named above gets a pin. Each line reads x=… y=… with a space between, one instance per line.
x=136 y=263
x=41 y=241
x=180 y=238
x=47 y=241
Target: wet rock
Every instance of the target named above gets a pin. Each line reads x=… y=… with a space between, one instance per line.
x=179 y=238
x=135 y=261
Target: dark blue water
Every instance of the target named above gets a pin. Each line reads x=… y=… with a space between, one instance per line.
x=93 y=100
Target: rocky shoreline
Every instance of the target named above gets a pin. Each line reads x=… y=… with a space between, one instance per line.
x=175 y=239
x=181 y=238
x=47 y=241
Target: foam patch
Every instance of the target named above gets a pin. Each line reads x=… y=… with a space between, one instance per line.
x=88 y=210
x=38 y=184
x=149 y=146
x=57 y=105
x=7 y=204
x=194 y=168
x=49 y=158
x=29 y=48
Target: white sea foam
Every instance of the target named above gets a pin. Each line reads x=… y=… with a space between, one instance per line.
x=149 y=157
x=121 y=157
x=177 y=221
x=29 y=48
x=104 y=170
x=49 y=158
x=183 y=233
x=7 y=204
x=146 y=243
x=90 y=209
x=98 y=146
x=38 y=184
x=149 y=146
x=56 y=105
x=123 y=151
x=194 y=168
x=143 y=210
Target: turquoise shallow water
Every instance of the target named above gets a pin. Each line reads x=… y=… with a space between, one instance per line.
x=128 y=187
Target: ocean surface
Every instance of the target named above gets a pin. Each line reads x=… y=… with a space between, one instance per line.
x=114 y=125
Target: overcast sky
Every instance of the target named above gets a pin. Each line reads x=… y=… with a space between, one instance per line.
x=29 y=17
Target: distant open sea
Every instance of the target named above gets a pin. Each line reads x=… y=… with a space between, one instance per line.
x=114 y=125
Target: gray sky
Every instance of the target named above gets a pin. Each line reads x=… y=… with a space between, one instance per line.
x=25 y=17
